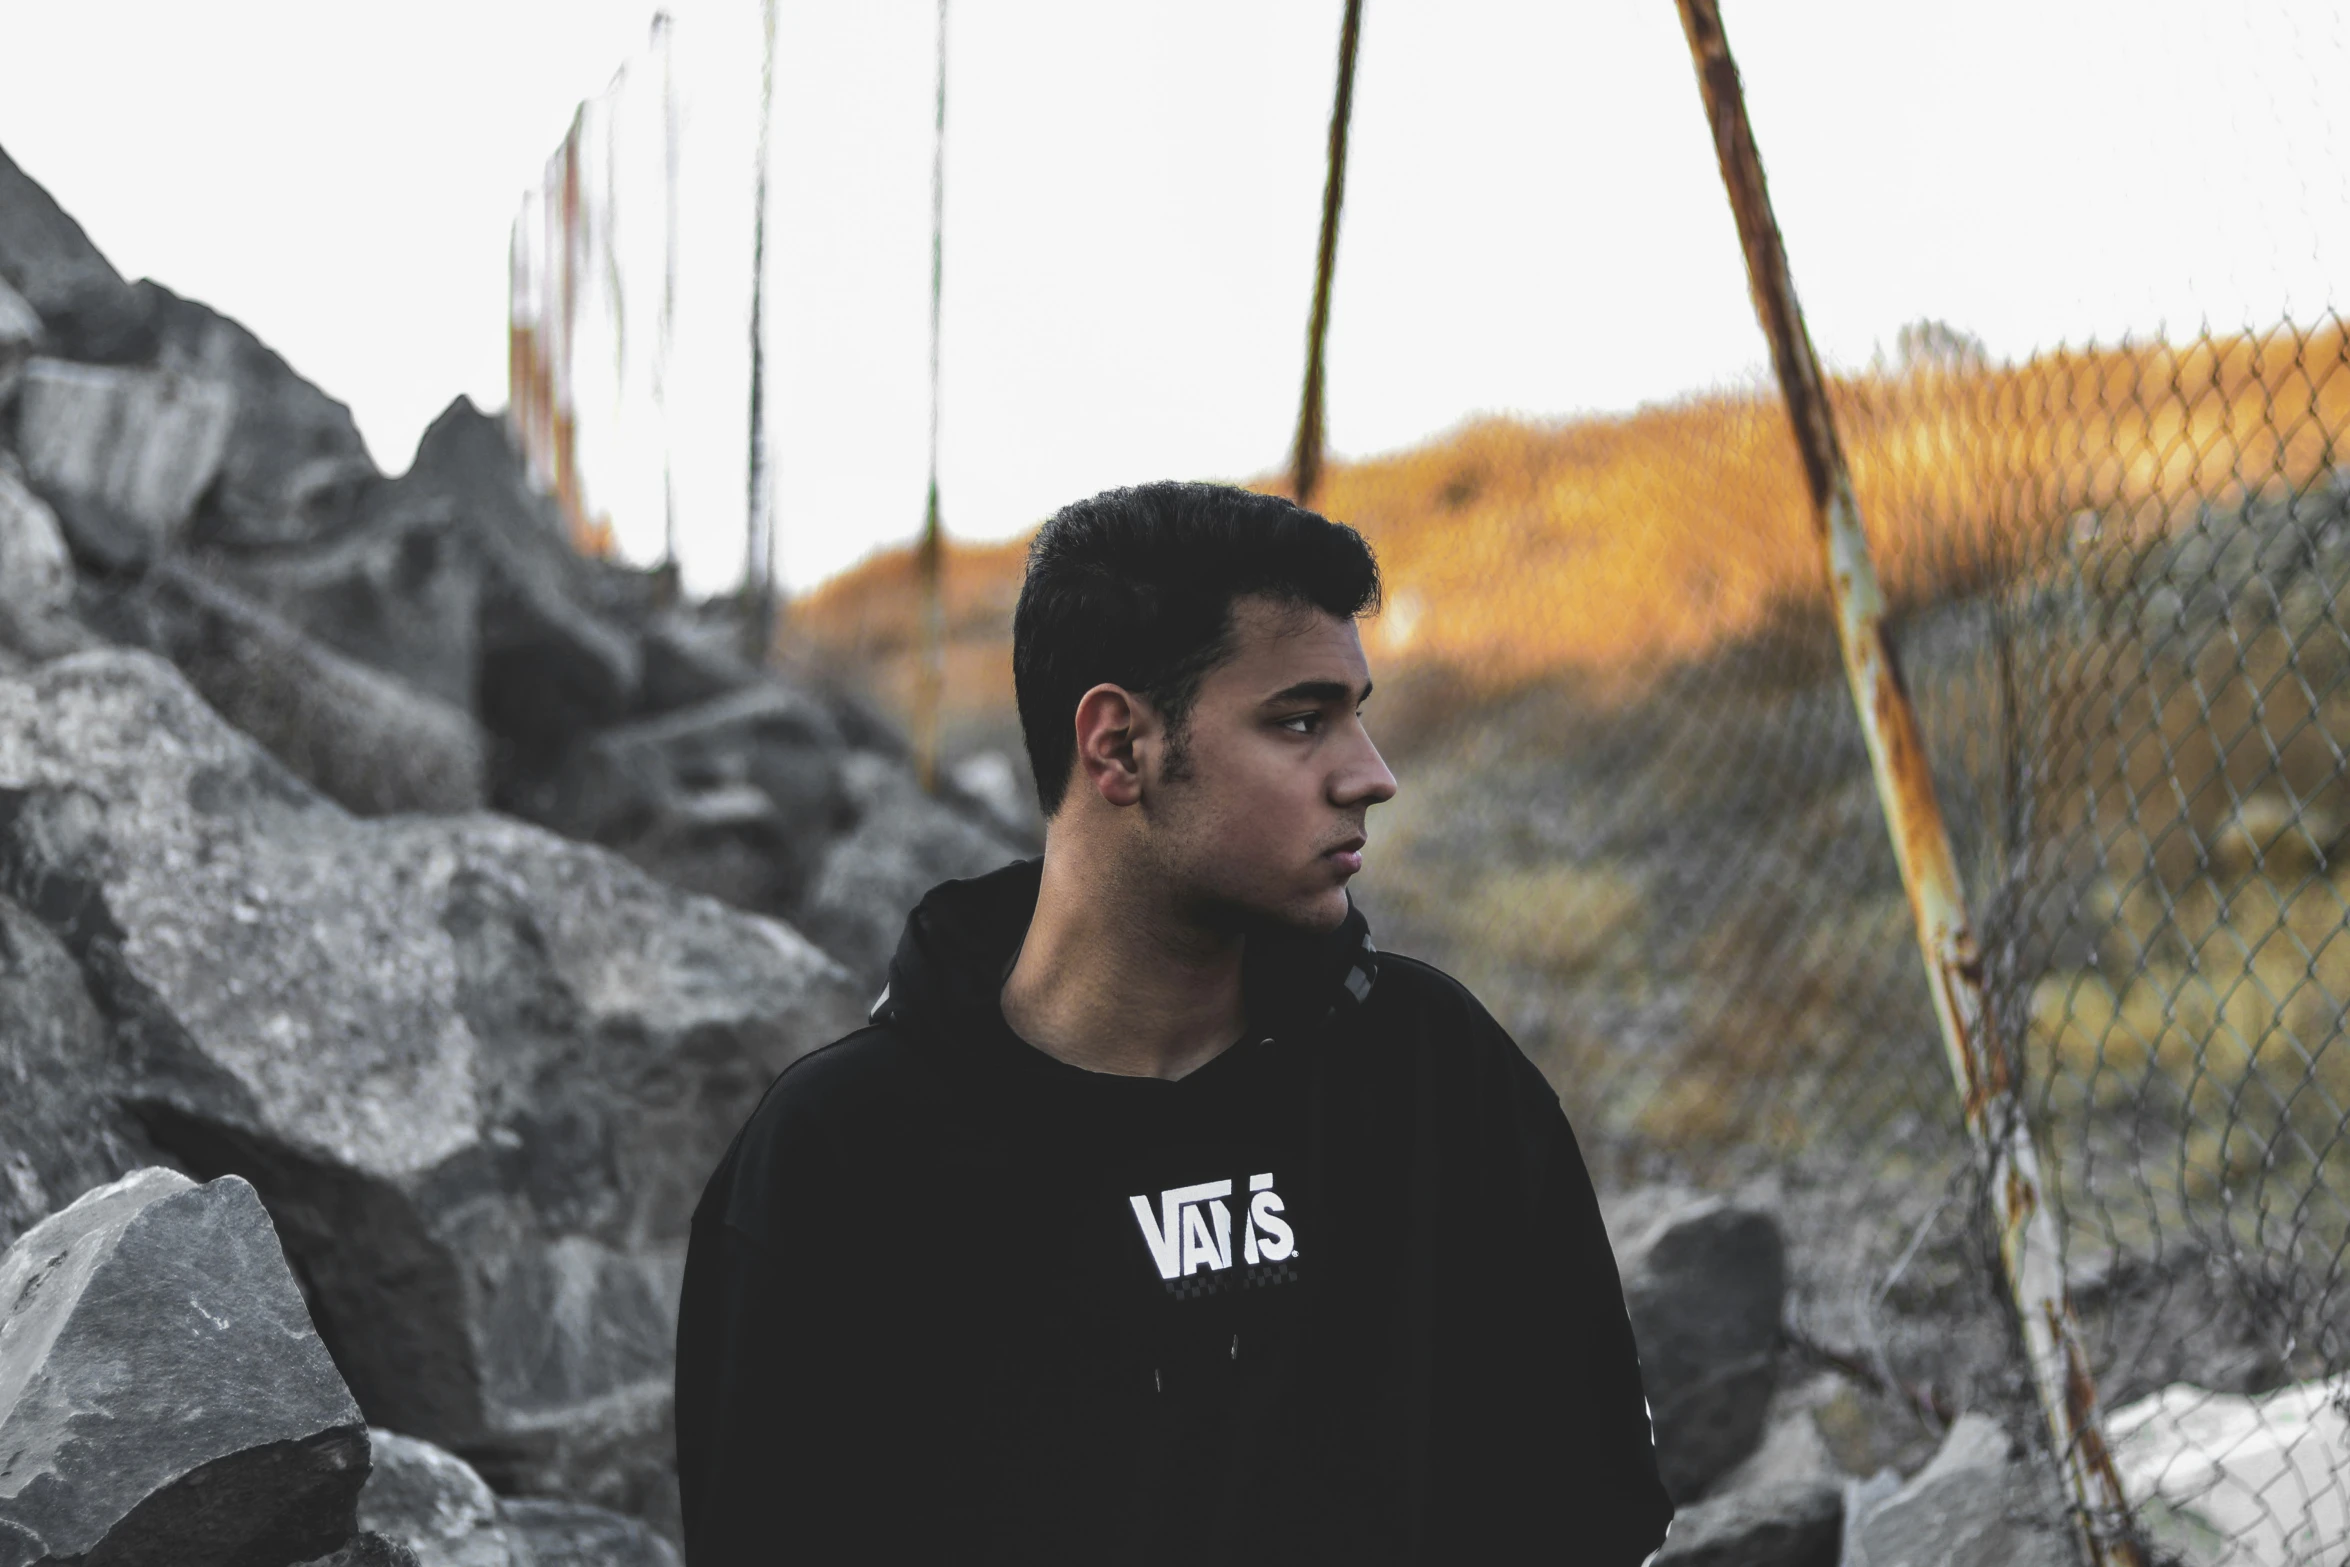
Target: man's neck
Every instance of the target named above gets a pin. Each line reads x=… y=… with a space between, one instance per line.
x=1111 y=979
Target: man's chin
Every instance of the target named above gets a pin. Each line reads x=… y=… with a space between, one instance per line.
x=1312 y=914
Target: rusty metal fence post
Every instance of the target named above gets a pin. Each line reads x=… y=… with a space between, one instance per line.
x=1305 y=456
x=1993 y=1099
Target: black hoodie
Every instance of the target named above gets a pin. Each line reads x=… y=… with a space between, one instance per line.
x=1340 y=1295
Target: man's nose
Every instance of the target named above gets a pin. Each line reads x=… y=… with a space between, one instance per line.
x=1364 y=779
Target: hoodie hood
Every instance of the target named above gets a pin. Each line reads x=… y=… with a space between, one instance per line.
x=961 y=940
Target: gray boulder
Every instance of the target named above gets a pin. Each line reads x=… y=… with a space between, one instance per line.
x=903 y=844
x=163 y=1398
x=570 y=1534
x=293 y=466
x=1800 y=1525
x=371 y=742
x=688 y=661
x=1975 y=1505
x=60 y=1131
x=368 y=1549
x=432 y=1502
x=88 y=311
x=122 y=453
x=399 y=593
x=1705 y=1284
x=478 y=1072
x=435 y=1505
x=737 y=797
x=36 y=573
x=551 y=667
x=20 y=334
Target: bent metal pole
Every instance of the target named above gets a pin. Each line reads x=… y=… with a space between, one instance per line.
x=1992 y=1097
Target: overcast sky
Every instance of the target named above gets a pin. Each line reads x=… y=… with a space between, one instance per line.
x=1534 y=224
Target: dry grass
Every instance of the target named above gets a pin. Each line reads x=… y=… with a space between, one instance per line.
x=1615 y=548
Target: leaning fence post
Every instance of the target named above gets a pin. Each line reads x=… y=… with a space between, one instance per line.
x=1993 y=1099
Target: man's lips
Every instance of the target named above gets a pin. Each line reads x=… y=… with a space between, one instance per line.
x=1347 y=856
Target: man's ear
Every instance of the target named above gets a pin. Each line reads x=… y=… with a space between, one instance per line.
x=1108 y=718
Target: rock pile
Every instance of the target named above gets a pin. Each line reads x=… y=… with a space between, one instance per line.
x=426 y=643
x=352 y=831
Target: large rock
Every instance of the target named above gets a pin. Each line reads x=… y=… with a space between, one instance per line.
x=551 y=667
x=435 y=1505
x=2225 y=1480
x=432 y=1502
x=1975 y=1505
x=88 y=311
x=737 y=797
x=293 y=466
x=163 y=1398
x=1705 y=1284
x=399 y=592
x=478 y=1072
x=37 y=573
x=20 y=334
x=903 y=844
x=571 y=1534
x=1799 y=1525
x=60 y=1131
x=371 y=742
x=122 y=453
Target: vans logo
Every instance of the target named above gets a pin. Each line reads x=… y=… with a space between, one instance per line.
x=1193 y=1229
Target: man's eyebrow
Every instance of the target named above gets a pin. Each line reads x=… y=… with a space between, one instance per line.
x=1319 y=691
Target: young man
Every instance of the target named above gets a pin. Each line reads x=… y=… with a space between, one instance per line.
x=1157 y=1217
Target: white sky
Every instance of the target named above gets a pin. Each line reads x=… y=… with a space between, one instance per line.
x=1534 y=224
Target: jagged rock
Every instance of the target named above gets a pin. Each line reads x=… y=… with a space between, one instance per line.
x=1705 y=1285
x=551 y=668
x=20 y=334
x=293 y=467
x=372 y=743
x=1799 y=1525
x=435 y=1505
x=567 y=1534
x=36 y=617
x=687 y=662
x=87 y=310
x=2221 y=1479
x=432 y=1502
x=368 y=1549
x=163 y=1398
x=121 y=453
x=736 y=797
x=904 y=843
x=399 y=593
x=1973 y=1506
x=1793 y=1449
x=478 y=1072
x=60 y=1131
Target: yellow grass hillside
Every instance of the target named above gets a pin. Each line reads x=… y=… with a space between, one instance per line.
x=1616 y=547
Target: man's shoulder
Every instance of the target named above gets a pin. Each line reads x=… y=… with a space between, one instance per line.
x=870 y=1076
x=1435 y=1016
x=867 y=1101
x=1431 y=1003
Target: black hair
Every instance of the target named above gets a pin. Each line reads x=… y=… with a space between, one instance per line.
x=1135 y=587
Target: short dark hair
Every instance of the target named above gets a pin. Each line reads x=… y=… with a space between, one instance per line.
x=1135 y=587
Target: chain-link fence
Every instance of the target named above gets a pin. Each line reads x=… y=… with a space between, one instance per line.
x=2120 y=583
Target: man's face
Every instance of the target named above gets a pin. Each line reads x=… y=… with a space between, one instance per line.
x=1264 y=817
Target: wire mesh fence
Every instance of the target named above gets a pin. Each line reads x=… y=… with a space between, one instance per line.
x=2120 y=581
